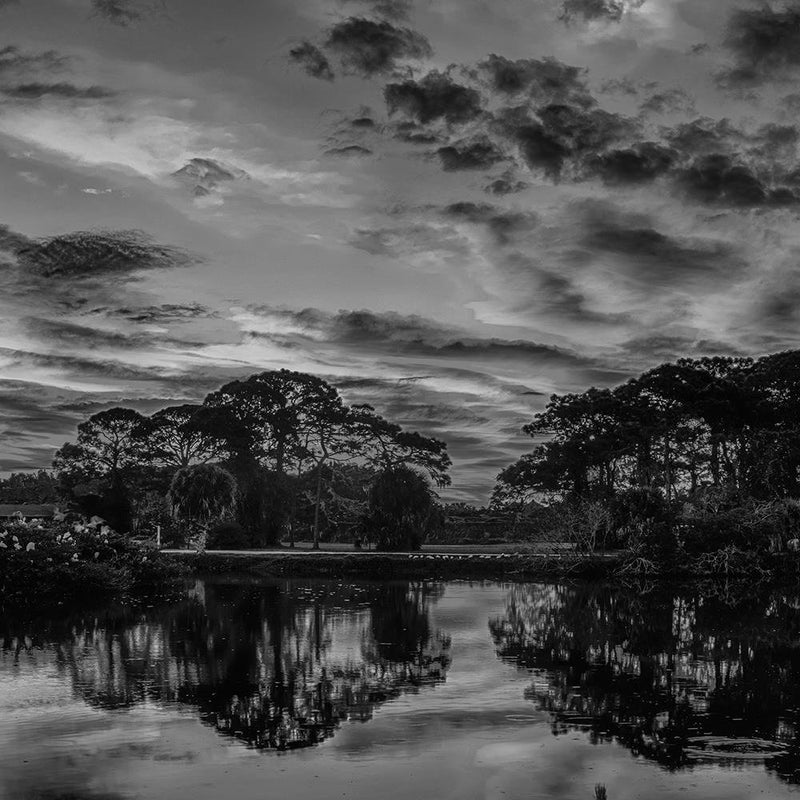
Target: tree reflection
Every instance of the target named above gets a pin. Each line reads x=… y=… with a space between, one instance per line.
x=678 y=678
x=278 y=665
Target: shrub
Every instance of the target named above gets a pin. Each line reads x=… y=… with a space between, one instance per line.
x=45 y=564
x=228 y=536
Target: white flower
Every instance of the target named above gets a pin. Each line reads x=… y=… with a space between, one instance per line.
x=74 y=557
x=31 y=546
x=17 y=546
x=4 y=545
x=96 y=554
x=3 y=534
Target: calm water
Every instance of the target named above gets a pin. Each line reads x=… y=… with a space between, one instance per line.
x=317 y=689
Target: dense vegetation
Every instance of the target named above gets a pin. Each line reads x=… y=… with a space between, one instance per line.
x=692 y=463
x=44 y=564
x=277 y=454
x=699 y=458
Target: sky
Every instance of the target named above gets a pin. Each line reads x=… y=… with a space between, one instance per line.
x=449 y=209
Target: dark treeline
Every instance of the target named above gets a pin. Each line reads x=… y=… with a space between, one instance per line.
x=696 y=454
x=277 y=454
x=678 y=677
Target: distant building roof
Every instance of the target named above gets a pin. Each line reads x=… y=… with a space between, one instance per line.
x=28 y=510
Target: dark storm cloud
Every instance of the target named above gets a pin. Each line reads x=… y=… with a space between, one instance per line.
x=467 y=154
x=545 y=80
x=652 y=256
x=562 y=135
x=719 y=179
x=105 y=253
x=87 y=367
x=368 y=47
x=313 y=61
x=668 y=101
x=641 y=163
x=589 y=10
x=665 y=347
x=12 y=242
x=388 y=9
x=414 y=134
x=765 y=44
x=624 y=86
x=168 y=312
x=203 y=175
x=505 y=184
x=703 y=136
x=126 y=12
x=434 y=97
x=348 y=150
x=17 y=62
x=504 y=225
x=35 y=91
x=412 y=335
x=71 y=334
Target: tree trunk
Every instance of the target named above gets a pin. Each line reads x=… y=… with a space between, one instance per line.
x=316 y=507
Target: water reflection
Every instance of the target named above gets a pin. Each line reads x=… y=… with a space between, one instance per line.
x=277 y=665
x=677 y=678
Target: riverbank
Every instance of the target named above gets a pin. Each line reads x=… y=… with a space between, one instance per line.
x=439 y=565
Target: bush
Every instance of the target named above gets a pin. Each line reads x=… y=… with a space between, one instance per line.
x=401 y=510
x=44 y=564
x=228 y=536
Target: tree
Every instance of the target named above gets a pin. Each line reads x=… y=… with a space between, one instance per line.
x=179 y=436
x=201 y=494
x=276 y=408
x=400 y=509
x=100 y=466
x=108 y=445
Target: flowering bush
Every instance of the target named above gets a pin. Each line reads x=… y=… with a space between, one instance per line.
x=42 y=563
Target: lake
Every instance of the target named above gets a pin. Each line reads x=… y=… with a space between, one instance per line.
x=323 y=689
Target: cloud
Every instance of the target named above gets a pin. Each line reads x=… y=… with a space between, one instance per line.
x=765 y=44
x=668 y=101
x=432 y=98
x=704 y=136
x=591 y=10
x=504 y=225
x=88 y=254
x=204 y=175
x=415 y=238
x=388 y=9
x=167 y=312
x=505 y=184
x=466 y=154
x=545 y=80
x=14 y=62
x=126 y=12
x=560 y=136
x=720 y=179
x=652 y=257
x=368 y=47
x=641 y=163
x=313 y=61
x=36 y=91
x=348 y=150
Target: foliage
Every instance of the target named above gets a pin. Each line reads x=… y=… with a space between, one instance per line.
x=201 y=494
x=690 y=457
x=288 y=438
x=29 y=487
x=400 y=510
x=227 y=536
x=48 y=563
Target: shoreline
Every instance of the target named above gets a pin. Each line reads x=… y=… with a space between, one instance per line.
x=379 y=565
